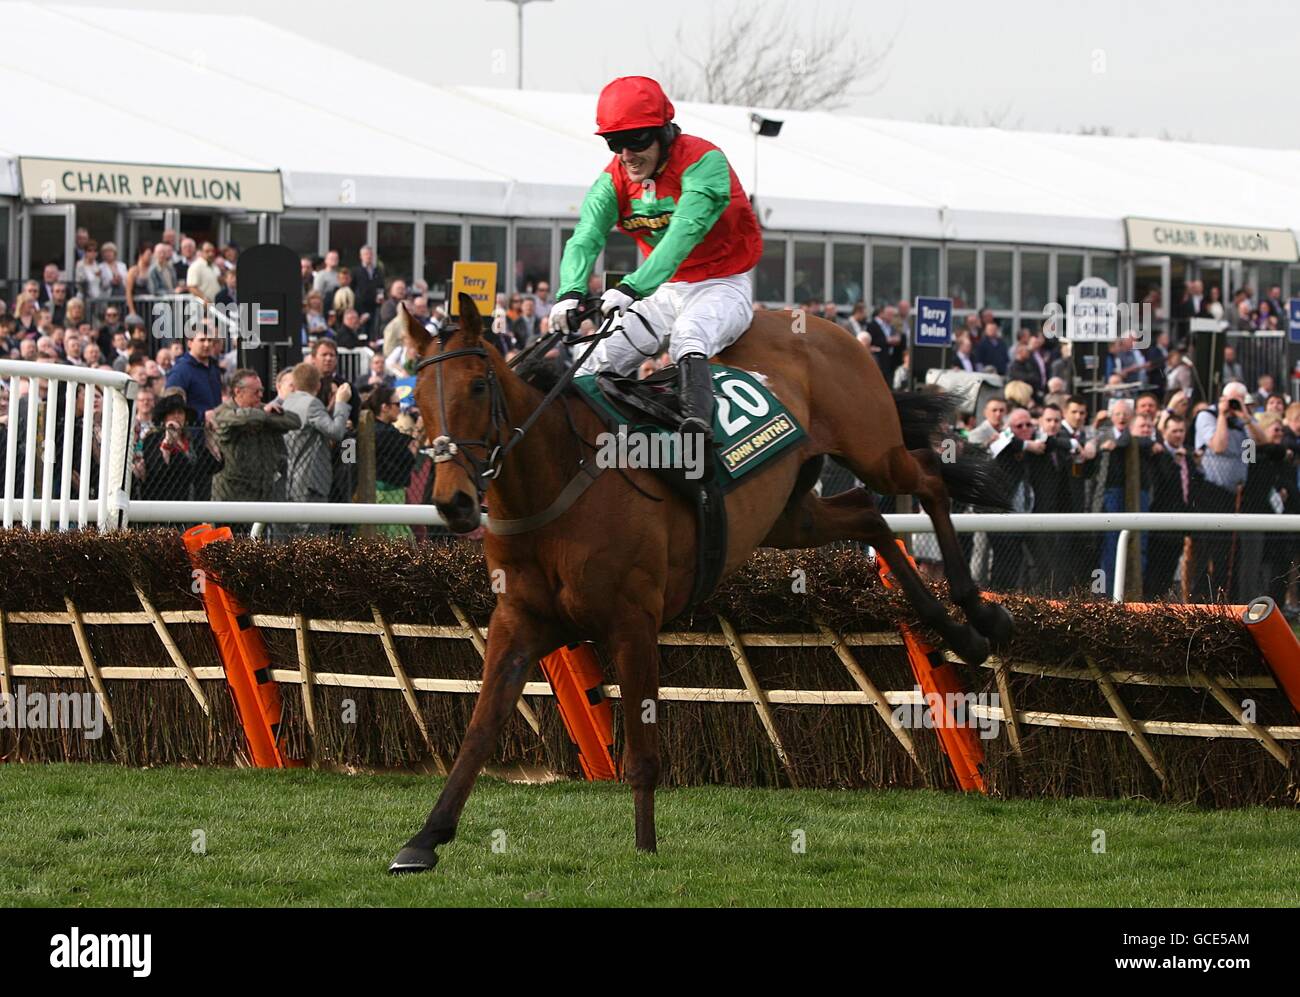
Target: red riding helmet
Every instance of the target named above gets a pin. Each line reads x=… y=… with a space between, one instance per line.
x=632 y=102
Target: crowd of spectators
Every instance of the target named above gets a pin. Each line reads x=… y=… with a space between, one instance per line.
x=1238 y=452
x=204 y=428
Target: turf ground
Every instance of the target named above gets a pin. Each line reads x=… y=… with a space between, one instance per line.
x=100 y=835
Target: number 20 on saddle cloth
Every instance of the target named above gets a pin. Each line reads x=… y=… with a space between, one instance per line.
x=750 y=425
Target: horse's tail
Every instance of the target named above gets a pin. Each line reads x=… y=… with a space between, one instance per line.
x=970 y=475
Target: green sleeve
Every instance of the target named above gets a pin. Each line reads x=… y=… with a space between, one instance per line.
x=599 y=214
x=706 y=192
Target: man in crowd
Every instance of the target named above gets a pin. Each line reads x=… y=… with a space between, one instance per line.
x=49 y=281
x=963 y=358
x=325 y=358
x=351 y=333
x=368 y=285
x=198 y=374
x=202 y=275
x=883 y=340
x=388 y=311
x=1175 y=482
x=309 y=473
x=182 y=262
x=1012 y=450
x=995 y=411
x=327 y=278
x=251 y=438
x=991 y=350
x=1220 y=437
x=1048 y=476
x=1023 y=368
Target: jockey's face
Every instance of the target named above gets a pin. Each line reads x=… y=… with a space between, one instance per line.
x=640 y=165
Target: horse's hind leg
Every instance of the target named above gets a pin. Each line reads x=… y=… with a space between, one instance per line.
x=513 y=647
x=852 y=515
x=988 y=618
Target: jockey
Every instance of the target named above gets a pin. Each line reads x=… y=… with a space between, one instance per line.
x=678 y=197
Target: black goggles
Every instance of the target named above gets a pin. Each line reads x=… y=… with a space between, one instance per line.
x=637 y=141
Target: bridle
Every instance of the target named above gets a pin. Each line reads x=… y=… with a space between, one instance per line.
x=453 y=448
x=500 y=439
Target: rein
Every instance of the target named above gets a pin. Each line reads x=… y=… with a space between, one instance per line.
x=451 y=448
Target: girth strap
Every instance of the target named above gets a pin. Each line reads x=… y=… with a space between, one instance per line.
x=588 y=472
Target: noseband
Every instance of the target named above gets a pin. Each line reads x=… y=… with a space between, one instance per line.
x=453 y=448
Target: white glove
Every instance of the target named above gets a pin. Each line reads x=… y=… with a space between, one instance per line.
x=560 y=313
x=615 y=300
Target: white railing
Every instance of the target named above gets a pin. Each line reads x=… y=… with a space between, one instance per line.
x=1125 y=523
x=111 y=427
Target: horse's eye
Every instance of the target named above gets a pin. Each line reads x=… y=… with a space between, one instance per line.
x=478 y=386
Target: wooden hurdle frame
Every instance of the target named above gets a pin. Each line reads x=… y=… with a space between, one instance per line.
x=866 y=694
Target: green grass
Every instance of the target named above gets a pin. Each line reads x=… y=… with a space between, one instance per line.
x=99 y=835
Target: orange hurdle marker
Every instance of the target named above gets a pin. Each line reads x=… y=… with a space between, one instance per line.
x=575 y=677
x=1277 y=642
x=938 y=678
x=244 y=659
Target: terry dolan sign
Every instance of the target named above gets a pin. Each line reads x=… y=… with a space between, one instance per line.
x=55 y=181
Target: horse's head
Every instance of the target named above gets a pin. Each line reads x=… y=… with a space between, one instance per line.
x=459 y=396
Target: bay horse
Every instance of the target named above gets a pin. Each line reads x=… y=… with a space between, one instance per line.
x=621 y=560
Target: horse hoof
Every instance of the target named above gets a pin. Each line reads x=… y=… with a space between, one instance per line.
x=994 y=622
x=411 y=859
x=972 y=648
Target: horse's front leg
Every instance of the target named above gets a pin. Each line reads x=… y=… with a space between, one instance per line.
x=635 y=648
x=514 y=644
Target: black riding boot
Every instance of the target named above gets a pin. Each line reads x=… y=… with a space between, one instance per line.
x=695 y=388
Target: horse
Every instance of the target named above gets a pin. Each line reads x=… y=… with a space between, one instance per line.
x=620 y=561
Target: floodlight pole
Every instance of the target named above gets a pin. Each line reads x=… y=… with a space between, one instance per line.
x=519 y=37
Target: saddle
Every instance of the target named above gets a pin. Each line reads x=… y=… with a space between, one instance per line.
x=653 y=404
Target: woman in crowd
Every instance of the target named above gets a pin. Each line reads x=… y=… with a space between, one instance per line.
x=401 y=362
x=173 y=458
x=114 y=270
x=137 y=279
x=394 y=456
x=90 y=276
x=25 y=316
x=1215 y=303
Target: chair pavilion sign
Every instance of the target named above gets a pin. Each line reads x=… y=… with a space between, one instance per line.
x=1146 y=235
x=53 y=181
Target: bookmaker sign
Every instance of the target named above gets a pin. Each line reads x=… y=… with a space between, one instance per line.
x=1146 y=235
x=53 y=181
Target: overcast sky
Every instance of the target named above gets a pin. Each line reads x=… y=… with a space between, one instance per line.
x=1191 y=69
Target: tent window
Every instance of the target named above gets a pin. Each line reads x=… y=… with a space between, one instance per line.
x=997 y=280
x=961 y=278
x=925 y=271
x=847 y=261
x=886 y=274
x=1033 y=281
x=769 y=278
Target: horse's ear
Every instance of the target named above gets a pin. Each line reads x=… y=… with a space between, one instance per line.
x=415 y=328
x=471 y=322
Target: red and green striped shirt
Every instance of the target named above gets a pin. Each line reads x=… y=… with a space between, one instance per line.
x=692 y=221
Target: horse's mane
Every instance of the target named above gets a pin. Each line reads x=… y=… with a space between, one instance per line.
x=534 y=368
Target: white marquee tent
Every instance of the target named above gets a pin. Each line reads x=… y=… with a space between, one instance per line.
x=121 y=86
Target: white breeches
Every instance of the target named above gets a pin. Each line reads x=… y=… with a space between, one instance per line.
x=704 y=317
